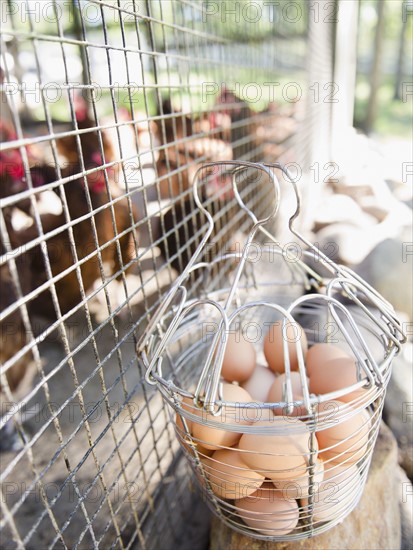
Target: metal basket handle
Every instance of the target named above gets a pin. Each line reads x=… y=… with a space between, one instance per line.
x=334 y=268
x=238 y=166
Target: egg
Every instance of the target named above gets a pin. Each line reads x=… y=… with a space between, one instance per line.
x=187 y=405
x=322 y=353
x=203 y=452
x=239 y=358
x=335 y=494
x=299 y=487
x=215 y=438
x=259 y=382
x=275 y=395
x=181 y=432
x=278 y=456
x=180 y=426
x=345 y=441
x=229 y=476
x=187 y=441
x=274 y=350
x=268 y=513
x=335 y=375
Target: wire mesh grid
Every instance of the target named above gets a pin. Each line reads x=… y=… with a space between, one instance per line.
x=108 y=107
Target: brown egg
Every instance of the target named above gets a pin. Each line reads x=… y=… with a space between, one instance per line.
x=334 y=494
x=273 y=346
x=215 y=438
x=239 y=359
x=187 y=405
x=259 y=383
x=346 y=441
x=275 y=455
x=181 y=432
x=180 y=426
x=299 y=487
x=229 y=476
x=334 y=375
x=268 y=513
x=320 y=354
x=275 y=395
x=203 y=452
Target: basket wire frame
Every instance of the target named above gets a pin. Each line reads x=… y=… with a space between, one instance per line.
x=193 y=385
x=115 y=482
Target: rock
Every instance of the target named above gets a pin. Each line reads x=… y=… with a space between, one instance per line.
x=399 y=213
x=375 y=523
x=406 y=509
x=398 y=407
x=356 y=192
x=336 y=241
x=363 y=169
x=408 y=203
x=338 y=209
x=354 y=243
x=388 y=268
x=345 y=243
x=370 y=206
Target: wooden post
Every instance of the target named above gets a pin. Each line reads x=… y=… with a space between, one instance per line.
x=345 y=71
x=375 y=73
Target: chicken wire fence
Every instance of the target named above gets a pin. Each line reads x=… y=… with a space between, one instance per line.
x=107 y=109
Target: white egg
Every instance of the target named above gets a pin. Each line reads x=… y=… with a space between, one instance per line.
x=259 y=383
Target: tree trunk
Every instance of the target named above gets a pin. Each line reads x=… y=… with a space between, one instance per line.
x=400 y=60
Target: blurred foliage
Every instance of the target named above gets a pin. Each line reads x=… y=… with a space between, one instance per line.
x=394 y=19
x=44 y=15
x=394 y=115
x=231 y=20
x=214 y=41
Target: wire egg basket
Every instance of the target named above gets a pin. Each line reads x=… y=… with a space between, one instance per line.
x=275 y=372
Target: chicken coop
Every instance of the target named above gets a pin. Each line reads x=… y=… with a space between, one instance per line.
x=108 y=107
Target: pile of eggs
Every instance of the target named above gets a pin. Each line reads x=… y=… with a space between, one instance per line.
x=269 y=476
